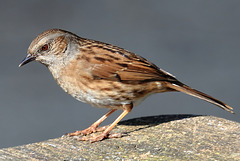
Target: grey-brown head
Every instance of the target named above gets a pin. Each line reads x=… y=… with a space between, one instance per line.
x=48 y=47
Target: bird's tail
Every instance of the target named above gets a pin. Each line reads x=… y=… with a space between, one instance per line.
x=188 y=90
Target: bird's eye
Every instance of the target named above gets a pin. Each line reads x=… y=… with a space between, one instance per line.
x=45 y=47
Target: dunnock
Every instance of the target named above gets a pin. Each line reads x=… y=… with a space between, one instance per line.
x=103 y=75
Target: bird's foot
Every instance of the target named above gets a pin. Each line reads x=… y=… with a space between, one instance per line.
x=87 y=131
x=100 y=137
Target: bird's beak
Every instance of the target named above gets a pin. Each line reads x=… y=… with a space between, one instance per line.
x=26 y=60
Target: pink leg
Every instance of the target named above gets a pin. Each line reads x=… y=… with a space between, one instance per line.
x=93 y=127
x=105 y=134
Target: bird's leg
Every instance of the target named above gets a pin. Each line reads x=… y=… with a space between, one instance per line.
x=93 y=128
x=127 y=108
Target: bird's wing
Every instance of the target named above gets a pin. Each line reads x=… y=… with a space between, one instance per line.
x=116 y=64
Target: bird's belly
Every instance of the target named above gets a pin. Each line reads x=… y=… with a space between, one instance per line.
x=107 y=94
x=97 y=97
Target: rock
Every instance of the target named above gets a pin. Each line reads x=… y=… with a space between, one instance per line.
x=165 y=137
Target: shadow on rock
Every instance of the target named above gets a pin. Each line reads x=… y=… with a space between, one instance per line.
x=155 y=120
x=150 y=121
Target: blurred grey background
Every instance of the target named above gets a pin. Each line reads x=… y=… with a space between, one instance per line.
x=197 y=41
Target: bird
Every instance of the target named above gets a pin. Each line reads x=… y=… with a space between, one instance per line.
x=104 y=76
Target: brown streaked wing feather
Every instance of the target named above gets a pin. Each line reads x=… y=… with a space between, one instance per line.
x=117 y=64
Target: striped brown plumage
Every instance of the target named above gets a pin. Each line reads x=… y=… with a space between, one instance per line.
x=104 y=75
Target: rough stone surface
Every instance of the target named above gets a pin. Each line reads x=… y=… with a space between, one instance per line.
x=165 y=137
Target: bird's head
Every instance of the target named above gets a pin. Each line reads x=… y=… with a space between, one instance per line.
x=48 y=47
